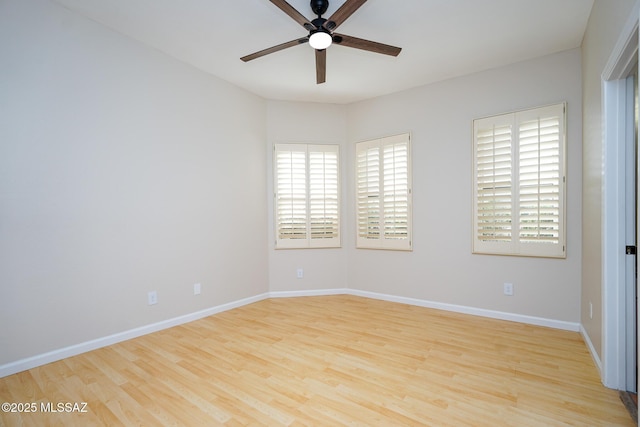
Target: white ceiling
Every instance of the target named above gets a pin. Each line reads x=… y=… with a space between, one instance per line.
x=440 y=39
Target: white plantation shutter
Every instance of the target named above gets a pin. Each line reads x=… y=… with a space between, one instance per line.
x=323 y=195
x=519 y=183
x=306 y=196
x=396 y=190
x=383 y=185
x=291 y=190
x=540 y=180
x=493 y=182
x=368 y=187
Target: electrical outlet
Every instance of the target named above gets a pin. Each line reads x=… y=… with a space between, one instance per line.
x=152 y=298
x=590 y=310
x=508 y=289
x=299 y=273
x=197 y=288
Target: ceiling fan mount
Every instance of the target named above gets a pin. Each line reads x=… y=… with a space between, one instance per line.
x=321 y=33
x=319 y=7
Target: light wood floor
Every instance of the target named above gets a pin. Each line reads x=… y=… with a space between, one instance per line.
x=327 y=361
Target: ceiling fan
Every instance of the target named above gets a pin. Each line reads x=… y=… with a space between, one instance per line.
x=321 y=34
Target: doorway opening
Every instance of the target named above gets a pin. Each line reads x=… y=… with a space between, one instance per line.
x=620 y=213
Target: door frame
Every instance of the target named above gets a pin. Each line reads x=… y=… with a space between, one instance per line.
x=615 y=121
x=631 y=219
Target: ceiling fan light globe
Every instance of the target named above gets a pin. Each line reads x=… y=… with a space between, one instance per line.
x=320 y=40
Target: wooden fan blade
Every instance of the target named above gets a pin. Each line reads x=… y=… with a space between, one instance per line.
x=343 y=12
x=292 y=12
x=357 y=43
x=275 y=49
x=321 y=66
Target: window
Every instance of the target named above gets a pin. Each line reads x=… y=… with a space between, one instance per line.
x=307 y=205
x=519 y=183
x=383 y=185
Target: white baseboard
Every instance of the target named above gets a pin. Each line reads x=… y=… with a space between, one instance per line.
x=592 y=350
x=312 y=293
x=55 y=355
x=73 y=350
x=520 y=318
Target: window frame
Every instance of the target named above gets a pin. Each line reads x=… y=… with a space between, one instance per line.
x=384 y=240
x=310 y=239
x=548 y=246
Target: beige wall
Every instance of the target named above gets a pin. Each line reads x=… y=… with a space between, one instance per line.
x=311 y=123
x=606 y=20
x=442 y=268
x=121 y=171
